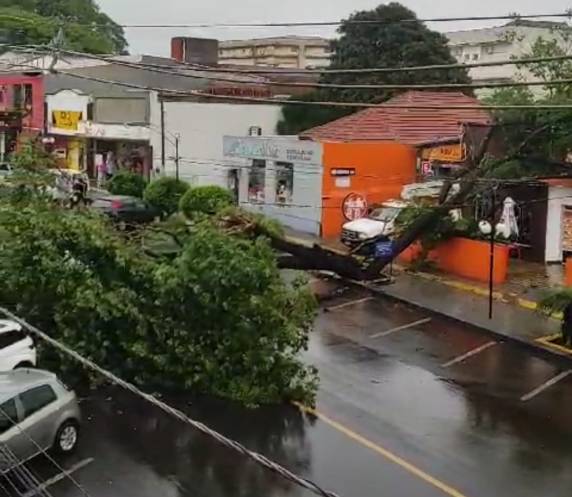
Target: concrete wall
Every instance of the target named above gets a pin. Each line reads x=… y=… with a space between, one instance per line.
x=558 y=197
x=201 y=127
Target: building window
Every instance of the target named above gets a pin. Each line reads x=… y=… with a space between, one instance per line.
x=475 y=56
x=284 y=182
x=467 y=56
x=257 y=181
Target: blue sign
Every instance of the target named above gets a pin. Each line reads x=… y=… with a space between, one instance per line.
x=384 y=250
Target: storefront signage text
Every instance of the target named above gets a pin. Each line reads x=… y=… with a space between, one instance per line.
x=445 y=153
x=273 y=150
x=66 y=120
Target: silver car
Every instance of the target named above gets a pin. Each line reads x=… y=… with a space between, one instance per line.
x=37 y=413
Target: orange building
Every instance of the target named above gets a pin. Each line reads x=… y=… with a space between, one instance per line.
x=375 y=171
x=387 y=147
x=315 y=183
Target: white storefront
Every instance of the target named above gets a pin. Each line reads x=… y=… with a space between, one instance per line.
x=280 y=177
x=200 y=127
x=559 y=223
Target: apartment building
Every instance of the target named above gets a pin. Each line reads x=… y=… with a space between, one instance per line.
x=514 y=39
x=298 y=52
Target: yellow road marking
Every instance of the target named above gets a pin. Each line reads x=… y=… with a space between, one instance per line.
x=452 y=492
x=549 y=342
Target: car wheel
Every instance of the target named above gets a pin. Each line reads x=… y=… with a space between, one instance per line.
x=67 y=438
x=24 y=365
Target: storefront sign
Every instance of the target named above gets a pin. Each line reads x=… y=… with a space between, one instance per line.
x=343 y=172
x=384 y=250
x=114 y=131
x=67 y=120
x=279 y=150
x=354 y=206
x=445 y=153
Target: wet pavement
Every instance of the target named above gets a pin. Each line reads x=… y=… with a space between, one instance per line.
x=413 y=412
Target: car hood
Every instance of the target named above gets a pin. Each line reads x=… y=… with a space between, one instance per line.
x=367 y=226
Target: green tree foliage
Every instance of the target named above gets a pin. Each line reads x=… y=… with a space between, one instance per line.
x=387 y=44
x=205 y=200
x=538 y=141
x=31 y=176
x=217 y=318
x=165 y=194
x=86 y=28
x=127 y=183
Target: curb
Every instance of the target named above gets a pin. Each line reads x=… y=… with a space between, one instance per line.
x=529 y=305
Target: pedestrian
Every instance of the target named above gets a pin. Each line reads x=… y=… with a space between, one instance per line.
x=567 y=325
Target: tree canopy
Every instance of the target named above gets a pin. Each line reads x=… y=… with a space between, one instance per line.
x=213 y=316
x=387 y=44
x=86 y=28
x=538 y=141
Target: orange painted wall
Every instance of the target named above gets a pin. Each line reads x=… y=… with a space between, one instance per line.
x=466 y=258
x=381 y=171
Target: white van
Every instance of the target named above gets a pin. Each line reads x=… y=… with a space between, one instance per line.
x=380 y=221
x=17 y=349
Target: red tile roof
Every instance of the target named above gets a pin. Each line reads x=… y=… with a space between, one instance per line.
x=413 y=126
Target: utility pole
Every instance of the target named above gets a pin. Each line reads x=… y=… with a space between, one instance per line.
x=177 y=138
x=162 y=103
x=492 y=253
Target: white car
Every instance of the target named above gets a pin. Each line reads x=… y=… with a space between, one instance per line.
x=17 y=349
x=380 y=221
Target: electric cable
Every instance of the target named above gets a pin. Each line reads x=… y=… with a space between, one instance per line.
x=232 y=444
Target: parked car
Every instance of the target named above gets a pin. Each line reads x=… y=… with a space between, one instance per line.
x=17 y=348
x=125 y=209
x=37 y=413
x=380 y=221
x=5 y=170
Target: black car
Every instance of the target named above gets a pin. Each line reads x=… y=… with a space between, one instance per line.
x=125 y=209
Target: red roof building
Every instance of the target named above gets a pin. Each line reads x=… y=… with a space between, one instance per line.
x=402 y=119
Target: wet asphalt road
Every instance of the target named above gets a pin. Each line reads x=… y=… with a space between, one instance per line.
x=392 y=420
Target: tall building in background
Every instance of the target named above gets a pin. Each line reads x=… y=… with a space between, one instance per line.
x=513 y=40
x=297 y=52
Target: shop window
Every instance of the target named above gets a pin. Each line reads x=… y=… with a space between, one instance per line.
x=284 y=182
x=257 y=181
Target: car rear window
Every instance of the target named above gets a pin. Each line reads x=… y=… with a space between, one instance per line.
x=8 y=415
x=10 y=338
x=36 y=398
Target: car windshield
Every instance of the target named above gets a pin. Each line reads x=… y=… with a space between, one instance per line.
x=385 y=213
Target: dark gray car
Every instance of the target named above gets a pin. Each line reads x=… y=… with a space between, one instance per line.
x=37 y=413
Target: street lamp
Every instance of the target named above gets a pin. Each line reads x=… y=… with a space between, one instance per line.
x=488 y=229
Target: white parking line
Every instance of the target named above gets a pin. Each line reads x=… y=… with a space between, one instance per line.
x=348 y=304
x=59 y=477
x=400 y=328
x=469 y=354
x=545 y=386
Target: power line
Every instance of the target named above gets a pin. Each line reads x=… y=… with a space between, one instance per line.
x=24 y=474
x=356 y=22
x=298 y=84
x=434 y=67
x=238 y=70
x=167 y=92
x=45 y=453
x=256 y=457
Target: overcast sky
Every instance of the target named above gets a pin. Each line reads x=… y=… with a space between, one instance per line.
x=156 y=41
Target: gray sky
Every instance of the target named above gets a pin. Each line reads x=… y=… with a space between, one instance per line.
x=156 y=41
